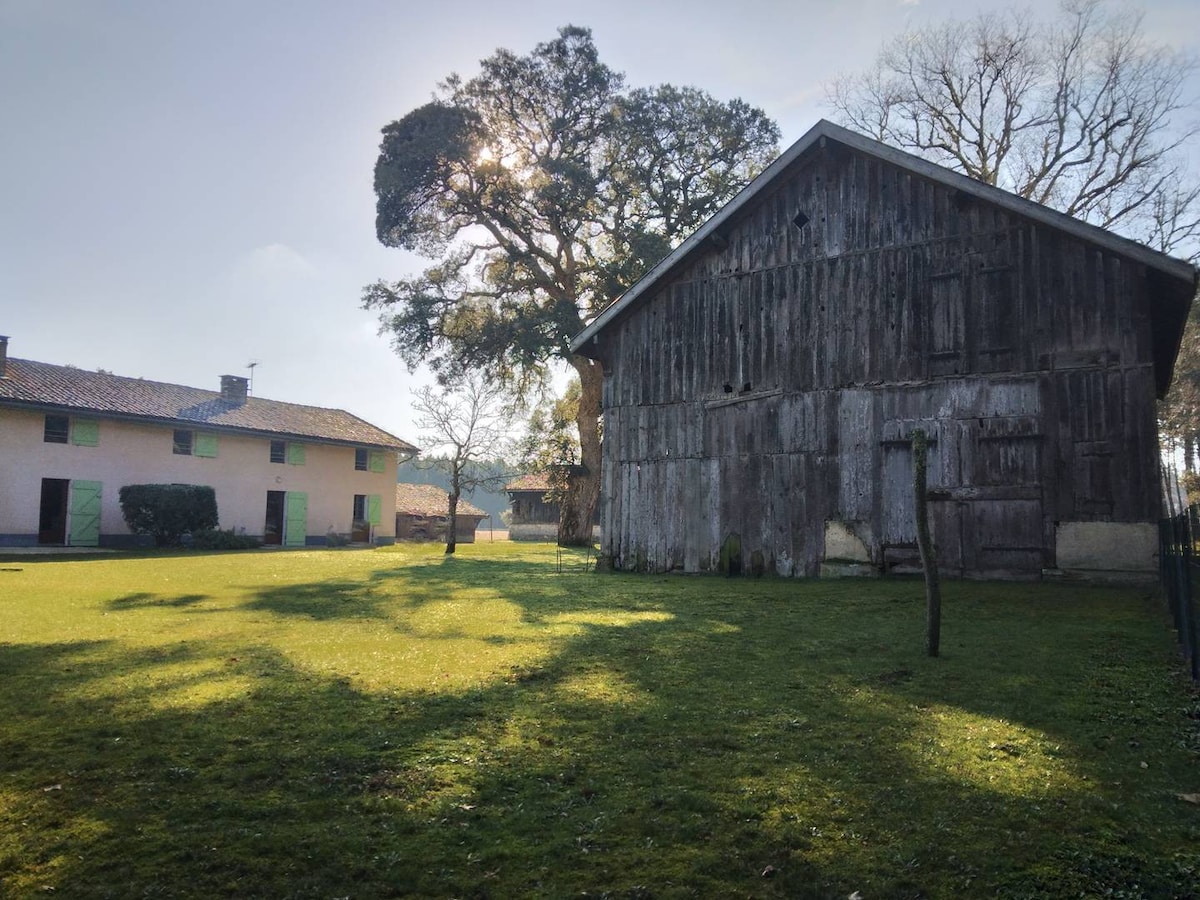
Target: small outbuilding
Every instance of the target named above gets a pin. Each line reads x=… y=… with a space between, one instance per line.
x=534 y=518
x=763 y=382
x=422 y=514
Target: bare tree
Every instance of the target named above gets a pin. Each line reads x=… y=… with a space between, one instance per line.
x=469 y=419
x=1082 y=114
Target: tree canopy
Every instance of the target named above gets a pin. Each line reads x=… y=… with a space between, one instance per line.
x=542 y=189
x=1081 y=113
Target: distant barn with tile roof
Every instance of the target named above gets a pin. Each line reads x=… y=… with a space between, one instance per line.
x=534 y=518
x=422 y=514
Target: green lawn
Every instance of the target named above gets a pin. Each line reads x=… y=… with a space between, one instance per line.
x=392 y=723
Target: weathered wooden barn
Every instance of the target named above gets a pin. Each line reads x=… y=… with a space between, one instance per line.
x=763 y=381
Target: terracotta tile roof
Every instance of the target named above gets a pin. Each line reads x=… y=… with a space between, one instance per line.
x=430 y=500
x=35 y=384
x=531 y=482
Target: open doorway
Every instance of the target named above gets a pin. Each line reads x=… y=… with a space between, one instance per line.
x=52 y=520
x=360 y=528
x=273 y=527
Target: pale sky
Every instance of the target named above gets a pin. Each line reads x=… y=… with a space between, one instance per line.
x=185 y=187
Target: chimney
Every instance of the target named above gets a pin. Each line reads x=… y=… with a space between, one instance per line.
x=3 y=355
x=233 y=389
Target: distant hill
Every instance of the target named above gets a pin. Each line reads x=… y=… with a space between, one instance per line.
x=419 y=471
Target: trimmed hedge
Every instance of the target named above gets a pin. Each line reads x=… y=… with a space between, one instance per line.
x=166 y=512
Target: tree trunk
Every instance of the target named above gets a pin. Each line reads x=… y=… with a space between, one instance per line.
x=578 y=510
x=452 y=523
x=933 y=591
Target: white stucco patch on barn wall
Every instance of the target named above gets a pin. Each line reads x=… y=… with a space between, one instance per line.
x=1107 y=546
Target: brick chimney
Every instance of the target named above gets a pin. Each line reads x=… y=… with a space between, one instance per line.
x=3 y=355
x=233 y=389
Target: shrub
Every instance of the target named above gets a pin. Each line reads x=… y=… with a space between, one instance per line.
x=168 y=511
x=216 y=539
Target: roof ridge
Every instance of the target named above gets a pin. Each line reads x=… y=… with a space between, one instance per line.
x=32 y=383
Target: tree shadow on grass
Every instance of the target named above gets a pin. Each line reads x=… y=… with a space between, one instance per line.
x=744 y=742
x=321 y=600
x=145 y=599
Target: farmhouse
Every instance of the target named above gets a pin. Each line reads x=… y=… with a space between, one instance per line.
x=290 y=474
x=762 y=382
x=422 y=514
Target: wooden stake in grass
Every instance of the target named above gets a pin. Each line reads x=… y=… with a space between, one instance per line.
x=933 y=592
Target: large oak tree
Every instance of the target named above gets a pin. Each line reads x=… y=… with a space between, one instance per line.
x=542 y=188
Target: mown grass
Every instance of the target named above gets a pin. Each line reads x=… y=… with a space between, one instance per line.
x=393 y=723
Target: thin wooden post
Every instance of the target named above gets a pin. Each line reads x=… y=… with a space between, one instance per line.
x=933 y=591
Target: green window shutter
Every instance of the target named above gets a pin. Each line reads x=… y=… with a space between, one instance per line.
x=85 y=514
x=205 y=445
x=375 y=509
x=295 y=454
x=85 y=432
x=376 y=464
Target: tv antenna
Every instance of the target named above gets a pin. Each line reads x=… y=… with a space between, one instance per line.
x=250 y=365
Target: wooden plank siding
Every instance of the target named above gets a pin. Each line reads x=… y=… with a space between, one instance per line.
x=772 y=384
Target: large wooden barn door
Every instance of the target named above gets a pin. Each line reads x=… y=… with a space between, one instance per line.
x=985 y=495
x=898 y=529
x=1003 y=532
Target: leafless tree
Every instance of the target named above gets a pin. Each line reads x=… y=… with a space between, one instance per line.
x=469 y=419
x=1083 y=114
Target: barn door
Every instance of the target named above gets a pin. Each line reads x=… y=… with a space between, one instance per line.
x=1004 y=532
x=898 y=521
x=85 y=514
x=295 y=526
x=946 y=313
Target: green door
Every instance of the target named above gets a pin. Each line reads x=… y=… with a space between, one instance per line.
x=85 y=514
x=295 y=525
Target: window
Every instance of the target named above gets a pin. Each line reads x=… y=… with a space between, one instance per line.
x=57 y=429
x=361 y=459
x=360 y=507
x=278 y=451
x=183 y=443
x=65 y=430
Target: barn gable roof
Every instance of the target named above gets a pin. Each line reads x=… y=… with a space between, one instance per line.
x=1173 y=281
